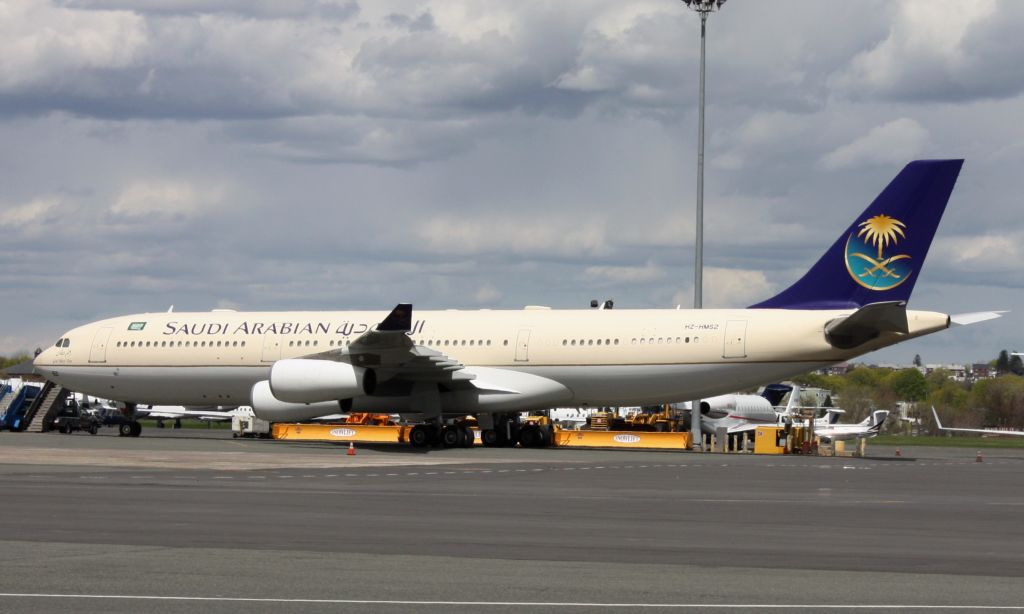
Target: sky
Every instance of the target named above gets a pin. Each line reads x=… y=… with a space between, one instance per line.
x=348 y=154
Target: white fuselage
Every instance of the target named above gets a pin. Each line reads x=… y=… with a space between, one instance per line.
x=597 y=357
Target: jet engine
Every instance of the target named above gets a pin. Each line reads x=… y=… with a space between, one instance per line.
x=746 y=405
x=303 y=380
x=267 y=407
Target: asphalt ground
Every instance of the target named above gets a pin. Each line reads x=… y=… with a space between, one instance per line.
x=189 y=520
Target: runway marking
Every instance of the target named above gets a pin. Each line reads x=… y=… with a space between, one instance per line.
x=505 y=604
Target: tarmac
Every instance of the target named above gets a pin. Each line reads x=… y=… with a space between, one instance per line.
x=193 y=520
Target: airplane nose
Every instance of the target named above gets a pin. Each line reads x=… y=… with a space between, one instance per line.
x=44 y=358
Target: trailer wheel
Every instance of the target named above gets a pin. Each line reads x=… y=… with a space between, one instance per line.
x=489 y=437
x=450 y=436
x=420 y=436
x=135 y=428
x=529 y=437
x=93 y=429
x=124 y=429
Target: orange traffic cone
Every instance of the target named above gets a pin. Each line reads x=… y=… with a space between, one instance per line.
x=977 y=458
x=898 y=452
x=351 y=448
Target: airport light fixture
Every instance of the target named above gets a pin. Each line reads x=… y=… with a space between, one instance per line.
x=704 y=8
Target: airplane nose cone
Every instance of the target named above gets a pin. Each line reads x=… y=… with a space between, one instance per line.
x=44 y=358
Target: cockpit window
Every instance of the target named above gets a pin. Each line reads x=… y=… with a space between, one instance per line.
x=59 y=342
x=67 y=342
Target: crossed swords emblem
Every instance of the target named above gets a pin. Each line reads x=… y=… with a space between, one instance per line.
x=880 y=265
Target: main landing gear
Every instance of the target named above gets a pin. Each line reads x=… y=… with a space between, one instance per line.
x=457 y=435
x=504 y=432
x=129 y=427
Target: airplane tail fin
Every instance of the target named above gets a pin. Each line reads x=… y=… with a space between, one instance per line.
x=875 y=421
x=878 y=258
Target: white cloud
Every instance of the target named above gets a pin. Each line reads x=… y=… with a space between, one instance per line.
x=728 y=288
x=895 y=142
x=34 y=213
x=165 y=198
x=487 y=294
x=625 y=275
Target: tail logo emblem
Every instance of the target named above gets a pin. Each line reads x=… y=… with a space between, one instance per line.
x=868 y=258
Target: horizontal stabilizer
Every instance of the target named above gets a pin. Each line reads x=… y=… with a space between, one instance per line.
x=867 y=323
x=965 y=319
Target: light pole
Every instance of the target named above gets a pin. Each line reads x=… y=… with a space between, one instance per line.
x=704 y=8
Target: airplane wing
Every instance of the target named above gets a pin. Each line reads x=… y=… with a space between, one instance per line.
x=984 y=431
x=389 y=351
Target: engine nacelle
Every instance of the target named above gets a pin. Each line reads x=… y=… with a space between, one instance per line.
x=740 y=405
x=303 y=380
x=267 y=407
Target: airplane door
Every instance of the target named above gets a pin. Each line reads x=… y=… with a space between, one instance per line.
x=735 y=339
x=523 y=346
x=98 y=352
x=271 y=348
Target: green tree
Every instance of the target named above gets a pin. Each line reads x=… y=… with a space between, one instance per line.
x=1016 y=366
x=908 y=385
x=1003 y=362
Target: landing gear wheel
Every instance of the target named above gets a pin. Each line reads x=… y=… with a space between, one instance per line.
x=450 y=436
x=489 y=437
x=177 y=423
x=420 y=436
x=65 y=428
x=136 y=429
x=124 y=429
x=529 y=437
x=93 y=429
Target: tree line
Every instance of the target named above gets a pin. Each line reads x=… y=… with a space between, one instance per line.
x=996 y=402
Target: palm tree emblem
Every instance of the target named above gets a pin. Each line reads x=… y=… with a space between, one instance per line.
x=878 y=272
x=881 y=231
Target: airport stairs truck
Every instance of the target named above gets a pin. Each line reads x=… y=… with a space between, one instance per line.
x=45 y=407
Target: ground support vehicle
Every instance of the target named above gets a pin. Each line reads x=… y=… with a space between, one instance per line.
x=71 y=418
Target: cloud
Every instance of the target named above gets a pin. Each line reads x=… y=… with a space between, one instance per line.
x=940 y=50
x=897 y=141
x=164 y=198
x=625 y=275
x=33 y=214
x=487 y=295
x=728 y=288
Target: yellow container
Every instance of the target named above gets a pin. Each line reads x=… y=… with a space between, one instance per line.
x=622 y=439
x=769 y=440
x=339 y=432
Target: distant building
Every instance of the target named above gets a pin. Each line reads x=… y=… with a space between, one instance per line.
x=981 y=370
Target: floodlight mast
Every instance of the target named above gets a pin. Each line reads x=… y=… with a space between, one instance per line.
x=704 y=8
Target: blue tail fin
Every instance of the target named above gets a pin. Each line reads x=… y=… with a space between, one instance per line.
x=880 y=255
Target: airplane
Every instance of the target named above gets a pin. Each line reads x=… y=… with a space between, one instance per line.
x=983 y=431
x=440 y=365
x=833 y=431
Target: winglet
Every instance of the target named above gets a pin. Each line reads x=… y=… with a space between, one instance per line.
x=399 y=320
x=938 y=422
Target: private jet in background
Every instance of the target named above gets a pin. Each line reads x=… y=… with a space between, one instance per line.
x=437 y=366
x=1010 y=432
x=869 y=427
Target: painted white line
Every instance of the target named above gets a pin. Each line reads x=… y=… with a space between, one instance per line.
x=549 y=604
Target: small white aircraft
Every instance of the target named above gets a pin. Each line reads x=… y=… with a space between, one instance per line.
x=983 y=431
x=869 y=427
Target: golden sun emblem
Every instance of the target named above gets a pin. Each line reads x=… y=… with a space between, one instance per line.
x=881 y=231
